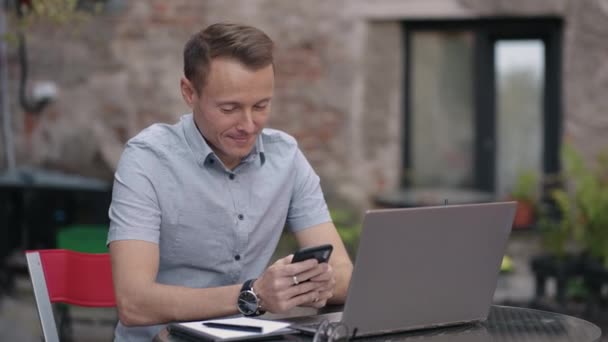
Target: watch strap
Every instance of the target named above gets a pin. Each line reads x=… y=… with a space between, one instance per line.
x=248 y=285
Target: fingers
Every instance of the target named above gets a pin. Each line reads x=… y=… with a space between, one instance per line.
x=318 y=297
x=285 y=285
x=326 y=295
x=277 y=301
x=275 y=287
x=285 y=261
x=286 y=268
x=326 y=275
x=300 y=267
x=315 y=299
x=321 y=300
x=302 y=288
x=320 y=271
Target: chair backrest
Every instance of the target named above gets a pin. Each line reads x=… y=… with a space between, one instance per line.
x=65 y=276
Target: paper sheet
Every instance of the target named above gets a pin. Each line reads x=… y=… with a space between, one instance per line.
x=266 y=325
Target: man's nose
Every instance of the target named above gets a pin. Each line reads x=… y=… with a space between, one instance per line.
x=246 y=121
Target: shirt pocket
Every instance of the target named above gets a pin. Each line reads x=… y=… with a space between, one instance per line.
x=203 y=240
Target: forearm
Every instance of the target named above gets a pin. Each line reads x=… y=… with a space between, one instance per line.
x=342 y=273
x=158 y=303
x=141 y=300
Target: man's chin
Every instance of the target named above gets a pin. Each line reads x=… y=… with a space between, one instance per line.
x=242 y=152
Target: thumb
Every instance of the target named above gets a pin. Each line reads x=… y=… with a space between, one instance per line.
x=285 y=260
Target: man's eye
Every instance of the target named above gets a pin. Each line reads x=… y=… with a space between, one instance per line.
x=262 y=105
x=227 y=110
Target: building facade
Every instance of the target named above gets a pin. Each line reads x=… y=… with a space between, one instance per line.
x=347 y=87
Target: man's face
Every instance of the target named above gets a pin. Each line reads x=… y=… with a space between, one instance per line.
x=232 y=108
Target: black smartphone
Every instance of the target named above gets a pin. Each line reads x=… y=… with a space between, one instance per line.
x=321 y=253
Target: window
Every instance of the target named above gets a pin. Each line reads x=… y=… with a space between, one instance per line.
x=482 y=101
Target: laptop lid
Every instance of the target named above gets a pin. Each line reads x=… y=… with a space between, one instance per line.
x=427 y=267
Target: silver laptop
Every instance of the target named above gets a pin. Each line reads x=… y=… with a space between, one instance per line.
x=424 y=267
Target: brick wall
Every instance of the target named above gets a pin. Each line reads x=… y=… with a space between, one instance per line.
x=338 y=88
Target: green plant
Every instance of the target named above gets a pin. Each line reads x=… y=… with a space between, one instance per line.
x=577 y=289
x=526 y=187
x=66 y=13
x=56 y=11
x=346 y=223
x=583 y=205
x=524 y=192
x=557 y=233
x=348 y=227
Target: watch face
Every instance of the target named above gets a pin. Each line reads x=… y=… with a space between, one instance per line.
x=248 y=303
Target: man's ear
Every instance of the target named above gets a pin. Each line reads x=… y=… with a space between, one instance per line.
x=188 y=91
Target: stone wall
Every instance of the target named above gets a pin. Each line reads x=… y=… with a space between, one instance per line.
x=339 y=79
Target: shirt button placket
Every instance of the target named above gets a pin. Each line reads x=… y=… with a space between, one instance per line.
x=240 y=234
x=239 y=223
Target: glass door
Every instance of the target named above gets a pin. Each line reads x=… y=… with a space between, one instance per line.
x=519 y=69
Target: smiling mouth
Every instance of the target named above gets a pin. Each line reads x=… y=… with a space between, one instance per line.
x=241 y=140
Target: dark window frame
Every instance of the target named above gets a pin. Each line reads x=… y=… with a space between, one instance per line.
x=487 y=31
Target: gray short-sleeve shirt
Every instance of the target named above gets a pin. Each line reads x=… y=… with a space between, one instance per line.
x=213 y=226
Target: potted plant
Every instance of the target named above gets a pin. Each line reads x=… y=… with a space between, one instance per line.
x=561 y=261
x=525 y=193
x=576 y=235
x=588 y=216
x=588 y=198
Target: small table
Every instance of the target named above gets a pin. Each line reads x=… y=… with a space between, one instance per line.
x=33 y=204
x=504 y=323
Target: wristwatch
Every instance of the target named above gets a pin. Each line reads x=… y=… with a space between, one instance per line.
x=248 y=302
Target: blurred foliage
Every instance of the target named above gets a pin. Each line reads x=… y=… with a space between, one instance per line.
x=582 y=207
x=577 y=289
x=54 y=12
x=525 y=188
x=347 y=223
x=506 y=265
x=349 y=227
x=556 y=233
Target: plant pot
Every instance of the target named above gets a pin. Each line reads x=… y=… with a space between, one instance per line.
x=562 y=269
x=595 y=275
x=524 y=215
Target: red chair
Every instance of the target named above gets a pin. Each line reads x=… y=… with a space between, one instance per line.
x=64 y=276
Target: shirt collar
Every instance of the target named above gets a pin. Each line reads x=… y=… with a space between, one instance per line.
x=203 y=152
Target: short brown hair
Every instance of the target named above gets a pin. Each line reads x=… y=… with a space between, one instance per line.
x=248 y=45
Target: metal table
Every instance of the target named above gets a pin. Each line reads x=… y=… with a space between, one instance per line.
x=504 y=323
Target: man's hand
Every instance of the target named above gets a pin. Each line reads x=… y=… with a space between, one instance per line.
x=284 y=285
x=325 y=291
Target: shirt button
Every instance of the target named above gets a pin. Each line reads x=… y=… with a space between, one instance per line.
x=237 y=257
x=241 y=217
x=231 y=176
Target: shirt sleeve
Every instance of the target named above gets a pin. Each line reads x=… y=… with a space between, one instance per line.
x=307 y=207
x=135 y=211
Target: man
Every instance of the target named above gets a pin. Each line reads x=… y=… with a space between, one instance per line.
x=198 y=207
